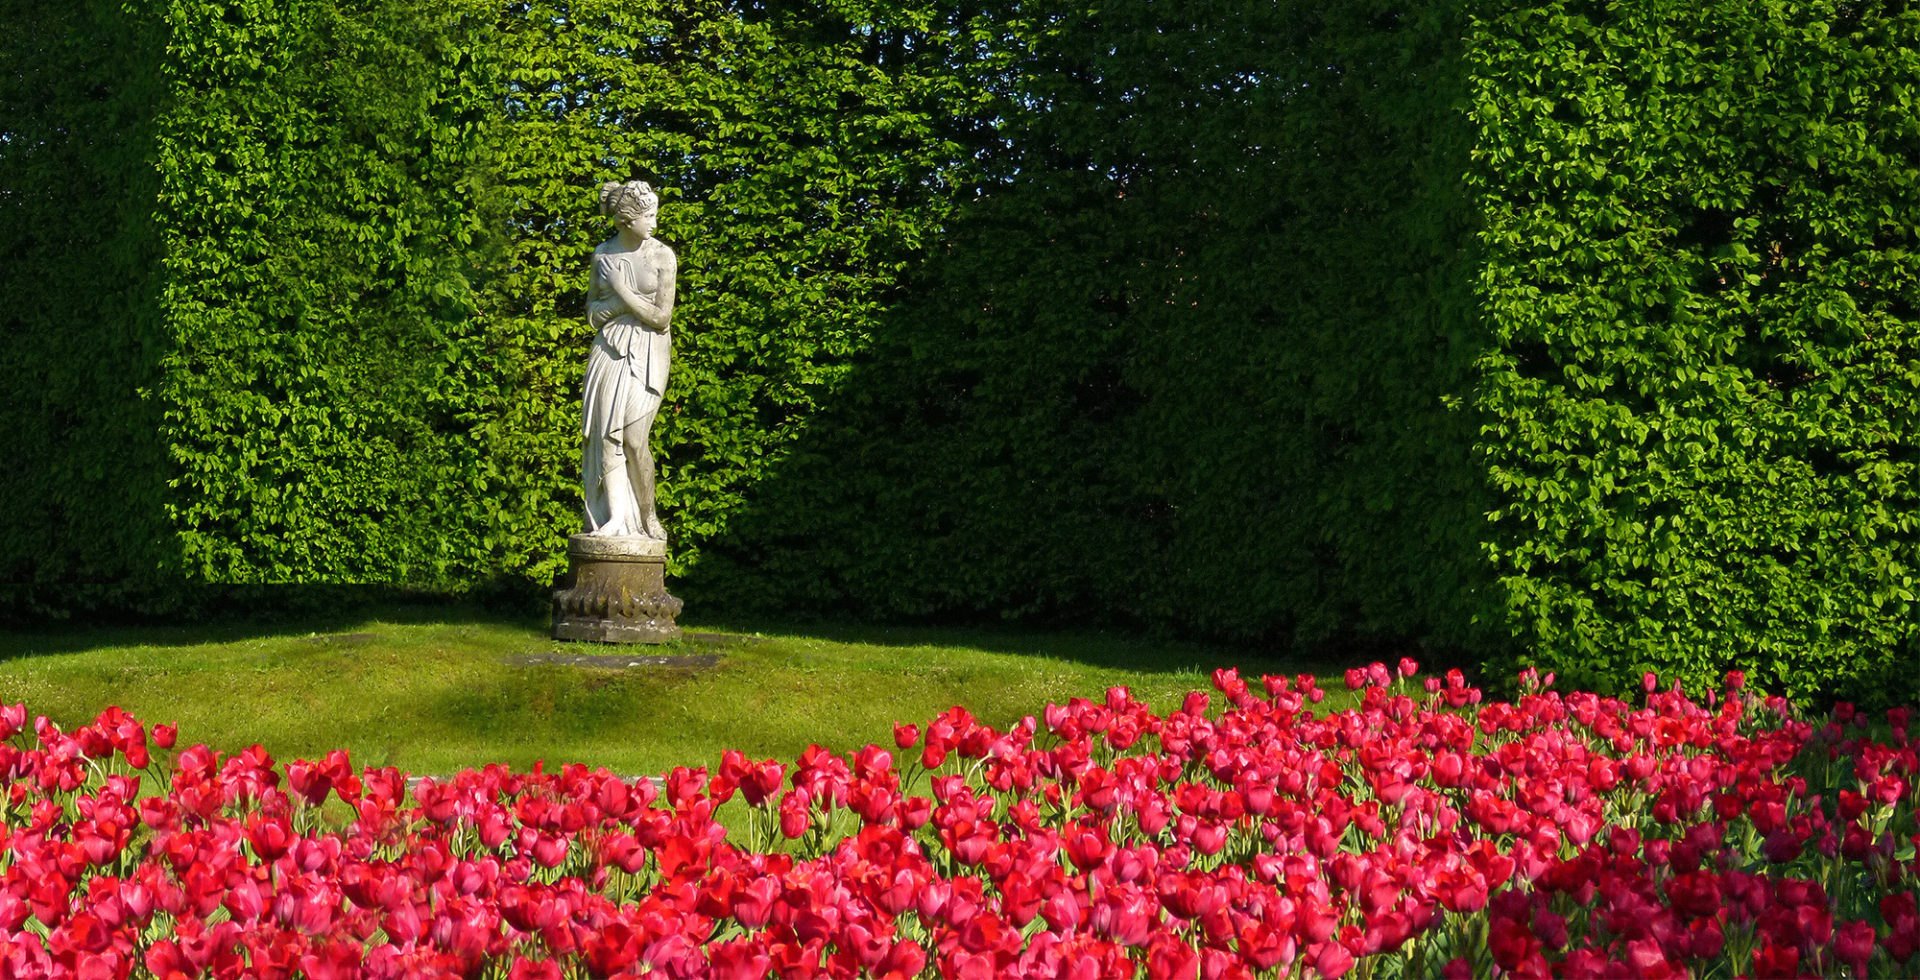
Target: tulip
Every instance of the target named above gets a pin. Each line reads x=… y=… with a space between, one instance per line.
x=1113 y=837
x=1087 y=846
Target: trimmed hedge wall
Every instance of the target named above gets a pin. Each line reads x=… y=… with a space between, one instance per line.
x=1183 y=362
x=1577 y=334
x=366 y=225
x=1702 y=388
x=806 y=154
x=326 y=392
x=79 y=255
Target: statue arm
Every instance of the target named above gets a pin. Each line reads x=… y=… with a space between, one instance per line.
x=664 y=295
x=600 y=311
x=657 y=313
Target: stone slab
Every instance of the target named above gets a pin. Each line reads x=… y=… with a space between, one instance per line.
x=590 y=629
x=619 y=661
x=616 y=548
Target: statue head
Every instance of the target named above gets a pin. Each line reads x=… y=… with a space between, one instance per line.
x=630 y=203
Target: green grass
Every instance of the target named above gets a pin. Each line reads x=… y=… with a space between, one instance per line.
x=434 y=689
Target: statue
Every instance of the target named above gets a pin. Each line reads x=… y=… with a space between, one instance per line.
x=630 y=302
x=615 y=588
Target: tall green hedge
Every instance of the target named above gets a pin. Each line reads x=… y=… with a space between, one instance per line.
x=1183 y=360
x=326 y=395
x=1702 y=384
x=79 y=97
x=350 y=238
x=1573 y=333
x=806 y=154
x=433 y=433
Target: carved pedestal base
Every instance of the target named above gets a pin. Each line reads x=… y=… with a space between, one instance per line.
x=615 y=592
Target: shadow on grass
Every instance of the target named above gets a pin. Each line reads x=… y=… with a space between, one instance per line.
x=330 y=614
x=237 y=614
x=1105 y=648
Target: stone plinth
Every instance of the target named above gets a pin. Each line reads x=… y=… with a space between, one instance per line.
x=615 y=592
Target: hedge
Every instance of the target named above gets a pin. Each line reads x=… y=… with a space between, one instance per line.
x=1181 y=364
x=1568 y=333
x=1702 y=380
x=80 y=87
x=366 y=227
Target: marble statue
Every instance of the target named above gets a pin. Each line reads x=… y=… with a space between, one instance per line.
x=630 y=304
x=615 y=588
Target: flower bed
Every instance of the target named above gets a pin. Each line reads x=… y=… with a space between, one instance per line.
x=1422 y=833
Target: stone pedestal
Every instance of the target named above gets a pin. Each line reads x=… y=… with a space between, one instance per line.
x=615 y=592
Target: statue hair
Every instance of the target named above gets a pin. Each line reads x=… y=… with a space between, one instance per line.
x=634 y=195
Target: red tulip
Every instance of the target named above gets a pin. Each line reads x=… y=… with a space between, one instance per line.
x=1381 y=816
x=1087 y=846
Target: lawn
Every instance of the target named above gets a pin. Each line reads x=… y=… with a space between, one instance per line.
x=434 y=689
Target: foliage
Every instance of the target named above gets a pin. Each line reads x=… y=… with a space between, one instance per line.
x=804 y=164
x=1182 y=359
x=80 y=85
x=365 y=254
x=1565 y=332
x=1701 y=388
x=325 y=390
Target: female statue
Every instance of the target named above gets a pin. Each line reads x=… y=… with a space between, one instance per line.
x=630 y=303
